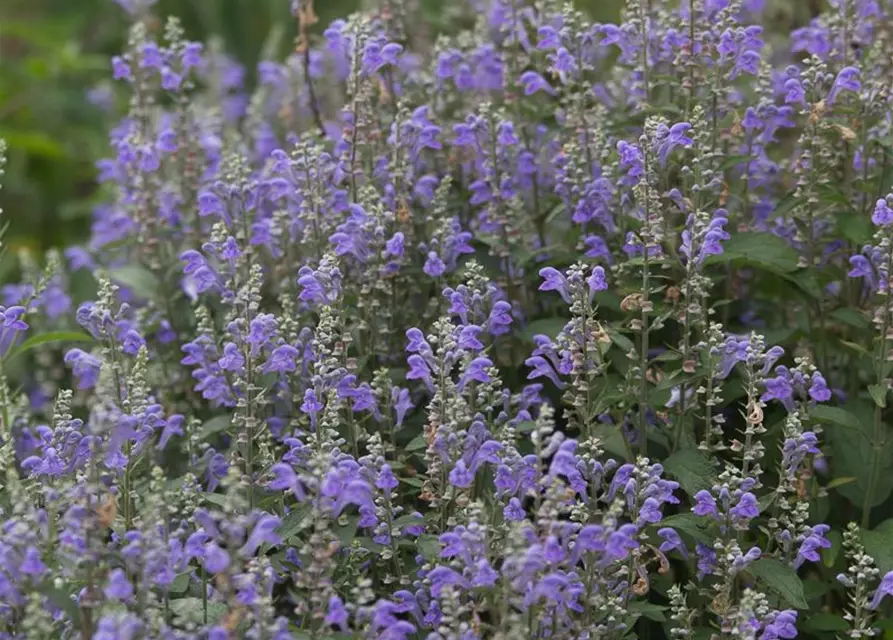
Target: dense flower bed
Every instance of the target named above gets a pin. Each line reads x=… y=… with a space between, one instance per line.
x=538 y=328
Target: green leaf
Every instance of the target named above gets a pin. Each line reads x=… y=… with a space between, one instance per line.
x=428 y=546
x=547 y=326
x=294 y=521
x=786 y=204
x=181 y=582
x=612 y=439
x=781 y=579
x=347 y=532
x=139 y=280
x=216 y=425
x=855 y=346
x=190 y=610
x=829 y=557
x=879 y=394
x=688 y=523
x=839 y=482
x=836 y=416
x=621 y=341
x=857 y=455
x=649 y=610
x=62 y=599
x=528 y=426
x=825 y=622
x=692 y=469
x=46 y=338
x=416 y=444
x=762 y=250
x=852 y=317
x=879 y=545
x=216 y=498
x=34 y=143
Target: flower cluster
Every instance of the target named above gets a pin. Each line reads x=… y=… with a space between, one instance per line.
x=548 y=328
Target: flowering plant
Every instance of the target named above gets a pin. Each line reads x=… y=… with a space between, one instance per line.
x=545 y=328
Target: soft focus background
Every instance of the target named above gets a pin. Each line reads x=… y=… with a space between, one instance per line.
x=54 y=65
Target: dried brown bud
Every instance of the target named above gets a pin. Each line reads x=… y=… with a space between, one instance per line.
x=641 y=587
x=755 y=414
x=846 y=133
x=673 y=294
x=632 y=302
x=818 y=110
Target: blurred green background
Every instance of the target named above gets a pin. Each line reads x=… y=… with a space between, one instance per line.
x=54 y=52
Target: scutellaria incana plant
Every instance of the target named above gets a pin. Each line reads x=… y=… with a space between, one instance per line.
x=538 y=328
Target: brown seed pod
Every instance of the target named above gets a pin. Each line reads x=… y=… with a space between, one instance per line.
x=107 y=512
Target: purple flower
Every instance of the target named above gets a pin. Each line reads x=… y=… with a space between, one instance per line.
x=534 y=83
x=883 y=214
x=468 y=338
x=705 y=504
x=597 y=281
x=670 y=139
x=283 y=359
x=862 y=268
x=885 y=588
x=402 y=404
x=671 y=541
x=173 y=426
x=311 y=405
x=12 y=318
x=597 y=248
x=500 y=318
x=779 y=388
x=216 y=560
x=554 y=280
x=285 y=479
x=781 y=625
x=434 y=266
x=747 y=507
x=706 y=560
x=419 y=370
x=151 y=57
x=32 y=565
x=818 y=389
x=794 y=92
x=812 y=541
x=119 y=587
x=847 y=80
x=542 y=368
x=513 y=511
x=376 y=56
x=336 y=615
x=209 y=204
x=386 y=479
x=232 y=359
x=85 y=367
x=170 y=81
x=477 y=371
x=394 y=246
x=121 y=69
x=264 y=532
x=461 y=476
x=192 y=55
